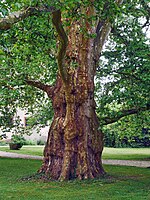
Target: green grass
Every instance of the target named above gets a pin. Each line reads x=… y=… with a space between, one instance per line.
x=29 y=150
x=127 y=153
x=108 y=153
x=126 y=183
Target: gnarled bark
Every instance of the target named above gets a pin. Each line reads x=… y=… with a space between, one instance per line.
x=75 y=143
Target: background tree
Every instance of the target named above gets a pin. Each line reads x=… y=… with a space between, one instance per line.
x=129 y=131
x=78 y=30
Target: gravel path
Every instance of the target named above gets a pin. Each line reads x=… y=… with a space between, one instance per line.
x=144 y=164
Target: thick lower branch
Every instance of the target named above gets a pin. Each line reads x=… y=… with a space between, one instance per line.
x=123 y=113
x=46 y=88
x=7 y=22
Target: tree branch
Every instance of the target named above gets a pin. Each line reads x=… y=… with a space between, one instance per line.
x=7 y=22
x=120 y=114
x=147 y=9
x=44 y=87
x=63 y=42
x=102 y=30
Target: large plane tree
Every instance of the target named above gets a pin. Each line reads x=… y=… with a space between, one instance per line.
x=55 y=46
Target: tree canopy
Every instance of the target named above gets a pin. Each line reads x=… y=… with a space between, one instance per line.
x=28 y=50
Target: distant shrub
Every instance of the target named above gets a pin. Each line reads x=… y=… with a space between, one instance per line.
x=18 y=139
x=30 y=142
x=112 y=139
x=40 y=142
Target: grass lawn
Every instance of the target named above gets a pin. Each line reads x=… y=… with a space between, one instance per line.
x=108 y=153
x=126 y=183
x=29 y=150
x=127 y=153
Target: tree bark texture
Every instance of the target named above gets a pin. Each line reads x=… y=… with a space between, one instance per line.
x=75 y=143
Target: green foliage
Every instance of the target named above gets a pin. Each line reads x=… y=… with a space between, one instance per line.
x=17 y=139
x=131 y=131
x=123 y=74
x=40 y=116
x=28 y=50
x=112 y=139
x=125 y=60
x=29 y=142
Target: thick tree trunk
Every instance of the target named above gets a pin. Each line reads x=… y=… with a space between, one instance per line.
x=75 y=143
